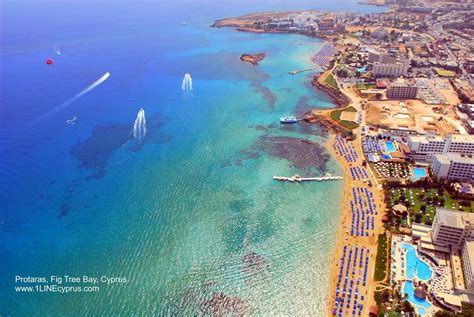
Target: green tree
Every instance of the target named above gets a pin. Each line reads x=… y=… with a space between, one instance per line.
x=418 y=218
x=407 y=307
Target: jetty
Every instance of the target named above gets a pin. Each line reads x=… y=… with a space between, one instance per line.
x=294 y=72
x=298 y=178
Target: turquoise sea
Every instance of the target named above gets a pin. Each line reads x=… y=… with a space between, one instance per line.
x=190 y=216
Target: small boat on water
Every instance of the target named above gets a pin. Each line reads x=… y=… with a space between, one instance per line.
x=289 y=119
x=71 y=121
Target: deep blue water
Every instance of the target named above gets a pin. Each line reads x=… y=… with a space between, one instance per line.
x=190 y=216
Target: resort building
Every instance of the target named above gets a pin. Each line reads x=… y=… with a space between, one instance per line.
x=429 y=93
x=468 y=109
x=468 y=264
x=450 y=228
x=396 y=69
x=402 y=90
x=424 y=148
x=454 y=166
x=326 y=24
x=381 y=57
x=469 y=125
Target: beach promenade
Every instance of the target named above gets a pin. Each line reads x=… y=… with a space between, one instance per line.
x=352 y=272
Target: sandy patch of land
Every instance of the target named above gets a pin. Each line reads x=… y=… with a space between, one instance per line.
x=358 y=28
x=411 y=115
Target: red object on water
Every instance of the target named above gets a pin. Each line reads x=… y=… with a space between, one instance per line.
x=49 y=61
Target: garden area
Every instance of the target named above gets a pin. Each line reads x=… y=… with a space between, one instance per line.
x=336 y=116
x=422 y=203
x=331 y=81
x=364 y=86
x=381 y=260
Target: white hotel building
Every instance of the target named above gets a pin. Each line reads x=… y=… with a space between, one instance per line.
x=424 y=148
x=389 y=69
x=468 y=264
x=454 y=166
x=450 y=228
x=455 y=229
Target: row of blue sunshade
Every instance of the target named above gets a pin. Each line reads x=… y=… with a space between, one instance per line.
x=371 y=145
x=352 y=276
x=358 y=173
x=345 y=149
x=363 y=209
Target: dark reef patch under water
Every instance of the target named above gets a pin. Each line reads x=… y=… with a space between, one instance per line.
x=301 y=153
x=94 y=152
x=64 y=210
x=220 y=304
x=253 y=263
x=266 y=94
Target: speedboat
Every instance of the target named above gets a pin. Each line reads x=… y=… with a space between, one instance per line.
x=289 y=119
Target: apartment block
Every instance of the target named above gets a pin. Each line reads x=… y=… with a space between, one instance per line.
x=379 y=57
x=451 y=228
x=402 y=90
x=424 y=148
x=468 y=263
x=396 y=69
x=454 y=166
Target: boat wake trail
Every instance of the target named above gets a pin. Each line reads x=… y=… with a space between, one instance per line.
x=94 y=85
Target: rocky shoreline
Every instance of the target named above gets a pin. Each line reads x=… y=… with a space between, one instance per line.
x=336 y=95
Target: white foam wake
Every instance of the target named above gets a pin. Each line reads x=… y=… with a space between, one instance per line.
x=187 y=84
x=139 y=127
x=94 y=85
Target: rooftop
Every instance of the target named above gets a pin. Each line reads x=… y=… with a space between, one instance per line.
x=426 y=138
x=453 y=218
x=454 y=157
x=462 y=138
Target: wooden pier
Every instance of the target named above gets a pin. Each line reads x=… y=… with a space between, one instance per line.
x=297 y=178
x=294 y=72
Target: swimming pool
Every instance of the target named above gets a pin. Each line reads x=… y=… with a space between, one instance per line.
x=414 y=265
x=421 y=305
x=419 y=172
x=390 y=146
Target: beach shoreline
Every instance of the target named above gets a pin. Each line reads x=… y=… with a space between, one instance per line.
x=343 y=236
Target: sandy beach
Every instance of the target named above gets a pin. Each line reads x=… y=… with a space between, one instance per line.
x=344 y=237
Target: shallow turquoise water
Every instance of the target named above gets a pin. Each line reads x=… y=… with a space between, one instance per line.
x=390 y=146
x=416 y=266
x=419 y=172
x=190 y=216
x=421 y=305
